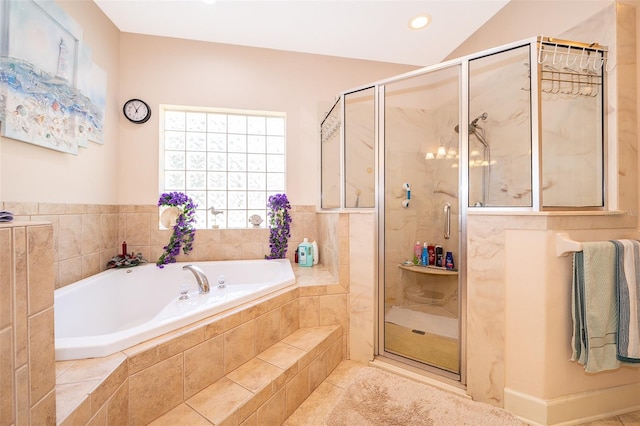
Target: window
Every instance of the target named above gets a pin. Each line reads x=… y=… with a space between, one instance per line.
x=229 y=162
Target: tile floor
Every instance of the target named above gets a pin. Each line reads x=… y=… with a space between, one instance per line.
x=313 y=411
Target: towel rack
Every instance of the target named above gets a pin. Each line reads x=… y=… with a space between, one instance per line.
x=565 y=245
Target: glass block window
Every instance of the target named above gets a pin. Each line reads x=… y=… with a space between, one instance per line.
x=229 y=162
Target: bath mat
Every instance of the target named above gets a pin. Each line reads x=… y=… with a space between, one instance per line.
x=415 y=320
x=378 y=398
x=431 y=349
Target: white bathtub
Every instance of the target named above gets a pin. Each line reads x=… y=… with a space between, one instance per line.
x=119 y=308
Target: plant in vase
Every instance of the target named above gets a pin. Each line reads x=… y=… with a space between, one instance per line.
x=279 y=223
x=184 y=232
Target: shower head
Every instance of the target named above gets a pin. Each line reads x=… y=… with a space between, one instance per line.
x=476 y=130
x=474 y=123
x=482 y=117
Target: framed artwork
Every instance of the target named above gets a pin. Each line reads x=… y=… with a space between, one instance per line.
x=51 y=93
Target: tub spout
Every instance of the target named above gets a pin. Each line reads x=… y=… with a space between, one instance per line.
x=201 y=278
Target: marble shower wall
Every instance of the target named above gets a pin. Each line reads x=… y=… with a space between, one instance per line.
x=359 y=141
x=499 y=87
x=420 y=115
x=487 y=270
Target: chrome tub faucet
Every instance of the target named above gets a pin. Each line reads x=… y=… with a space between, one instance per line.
x=201 y=278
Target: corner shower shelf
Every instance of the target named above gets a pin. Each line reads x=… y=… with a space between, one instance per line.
x=431 y=270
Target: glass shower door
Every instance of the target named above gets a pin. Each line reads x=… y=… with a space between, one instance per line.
x=422 y=212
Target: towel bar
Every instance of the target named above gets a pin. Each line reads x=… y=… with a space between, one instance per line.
x=565 y=245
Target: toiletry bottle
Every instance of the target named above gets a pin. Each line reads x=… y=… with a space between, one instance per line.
x=305 y=253
x=448 y=261
x=424 y=259
x=417 y=252
x=432 y=255
x=439 y=256
x=316 y=253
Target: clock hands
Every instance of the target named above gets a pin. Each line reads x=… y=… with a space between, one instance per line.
x=137 y=111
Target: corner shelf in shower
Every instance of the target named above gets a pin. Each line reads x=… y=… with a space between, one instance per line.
x=431 y=270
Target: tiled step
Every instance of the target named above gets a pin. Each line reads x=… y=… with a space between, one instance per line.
x=268 y=388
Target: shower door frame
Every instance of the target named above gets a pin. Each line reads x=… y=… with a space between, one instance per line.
x=463 y=119
x=463 y=192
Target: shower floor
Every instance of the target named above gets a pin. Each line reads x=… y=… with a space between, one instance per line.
x=424 y=318
x=425 y=333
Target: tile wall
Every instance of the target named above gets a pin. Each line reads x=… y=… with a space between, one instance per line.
x=27 y=366
x=322 y=300
x=87 y=236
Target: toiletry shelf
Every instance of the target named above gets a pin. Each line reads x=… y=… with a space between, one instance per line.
x=432 y=270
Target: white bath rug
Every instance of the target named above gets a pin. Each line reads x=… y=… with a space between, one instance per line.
x=414 y=320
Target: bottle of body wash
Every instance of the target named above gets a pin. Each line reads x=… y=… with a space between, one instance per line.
x=305 y=253
x=417 y=251
x=424 y=257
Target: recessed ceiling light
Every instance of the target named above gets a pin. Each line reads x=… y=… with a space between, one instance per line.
x=419 y=22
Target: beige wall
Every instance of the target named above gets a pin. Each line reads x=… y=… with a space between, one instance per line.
x=519 y=358
x=170 y=71
x=173 y=71
x=32 y=173
x=547 y=18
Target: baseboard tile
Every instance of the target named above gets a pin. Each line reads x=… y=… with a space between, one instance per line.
x=573 y=409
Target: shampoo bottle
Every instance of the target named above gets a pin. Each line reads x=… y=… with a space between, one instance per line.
x=305 y=253
x=424 y=257
x=417 y=252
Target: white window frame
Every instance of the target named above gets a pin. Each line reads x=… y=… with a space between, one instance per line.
x=238 y=176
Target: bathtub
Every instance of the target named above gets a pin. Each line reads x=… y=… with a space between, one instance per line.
x=119 y=308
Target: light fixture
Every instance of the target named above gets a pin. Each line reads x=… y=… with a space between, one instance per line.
x=429 y=156
x=442 y=152
x=420 y=21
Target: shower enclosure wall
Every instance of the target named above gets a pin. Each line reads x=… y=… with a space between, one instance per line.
x=517 y=128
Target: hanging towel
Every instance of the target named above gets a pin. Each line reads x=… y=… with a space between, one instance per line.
x=595 y=307
x=628 y=288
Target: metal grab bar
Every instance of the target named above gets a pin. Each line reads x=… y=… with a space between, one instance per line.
x=447 y=221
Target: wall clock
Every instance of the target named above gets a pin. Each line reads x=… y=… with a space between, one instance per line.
x=136 y=111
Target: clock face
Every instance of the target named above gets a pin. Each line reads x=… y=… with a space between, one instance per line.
x=136 y=111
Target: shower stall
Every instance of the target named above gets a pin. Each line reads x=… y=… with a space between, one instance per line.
x=514 y=129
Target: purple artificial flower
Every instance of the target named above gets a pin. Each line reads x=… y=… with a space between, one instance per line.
x=184 y=232
x=279 y=221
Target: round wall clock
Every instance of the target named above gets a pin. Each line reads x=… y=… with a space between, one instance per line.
x=136 y=111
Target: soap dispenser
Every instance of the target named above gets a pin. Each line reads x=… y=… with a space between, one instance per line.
x=305 y=253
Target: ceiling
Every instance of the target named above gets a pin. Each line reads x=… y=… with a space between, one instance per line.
x=362 y=29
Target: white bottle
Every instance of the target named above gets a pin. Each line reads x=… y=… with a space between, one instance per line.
x=316 y=253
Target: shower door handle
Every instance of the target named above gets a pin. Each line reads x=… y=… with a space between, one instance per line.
x=447 y=221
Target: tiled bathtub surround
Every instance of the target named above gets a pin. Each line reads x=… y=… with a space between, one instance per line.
x=143 y=382
x=27 y=379
x=77 y=242
x=87 y=236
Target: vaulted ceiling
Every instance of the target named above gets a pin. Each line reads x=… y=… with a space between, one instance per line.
x=362 y=29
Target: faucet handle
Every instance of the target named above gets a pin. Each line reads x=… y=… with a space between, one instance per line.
x=221 y=281
x=184 y=292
